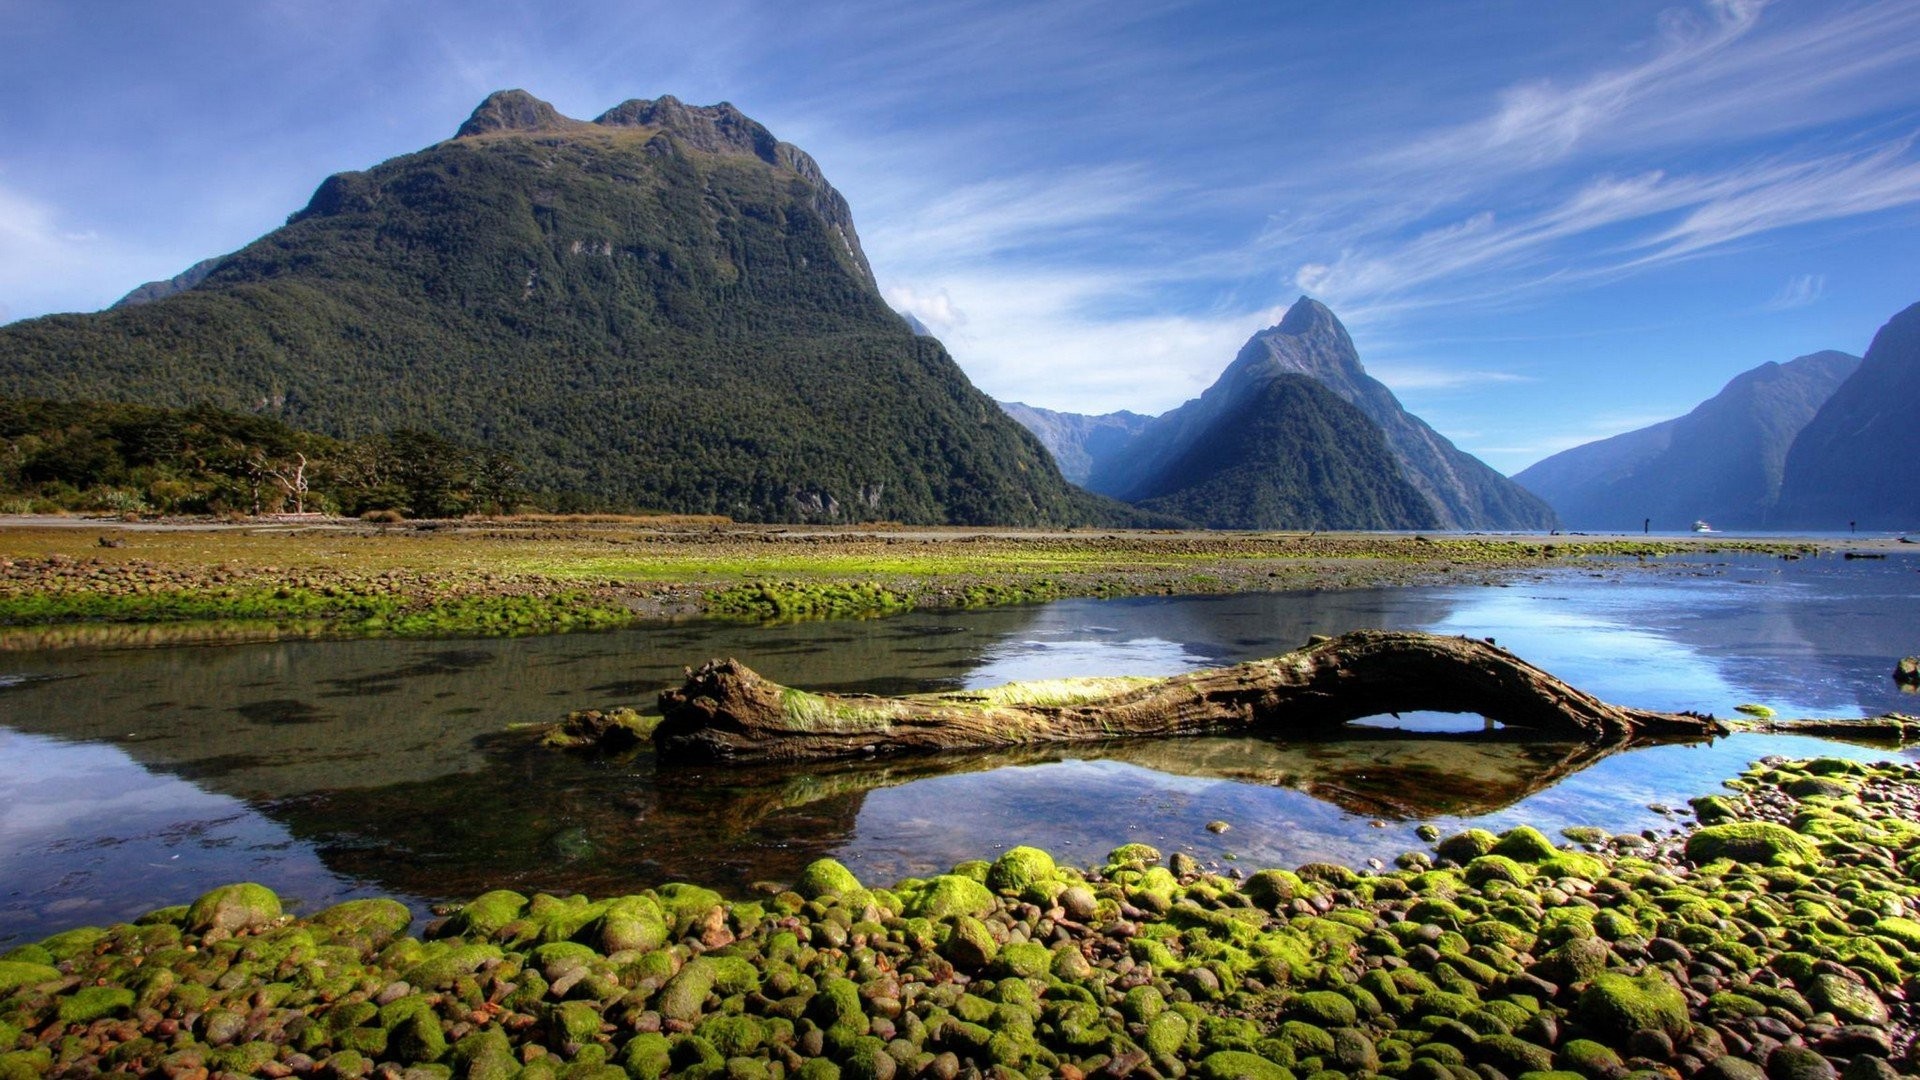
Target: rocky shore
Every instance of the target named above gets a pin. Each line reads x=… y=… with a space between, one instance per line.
x=1778 y=938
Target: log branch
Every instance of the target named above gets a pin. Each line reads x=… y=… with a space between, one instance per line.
x=727 y=712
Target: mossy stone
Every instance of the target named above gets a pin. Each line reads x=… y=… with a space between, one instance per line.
x=817 y=1069
x=1026 y=959
x=1848 y=1000
x=733 y=1036
x=94 y=1002
x=1622 y=1004
x=1271 y=888
x=1799 y=1063
x=1137 y=856
x=488 y=913
x=826 y=876
x=377 y=920
x=1511 y=1054
x=231 y=908
x=1323 y=1008
x=417 y=1038
x=17 y=973
x=1575 y=960
x=1166 y=1034
x=970 y=947
x=685 y=995
x=486 y=1054
x=1525 y=844
x=647 y=1056
x=1489 y=868
x=1464 y=847
x=1761 y=842
x=948 y=895
x=1019 y=868
x=1354 y=1051
x=1241 y=1065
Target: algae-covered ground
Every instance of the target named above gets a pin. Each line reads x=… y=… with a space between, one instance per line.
x=105 y=583
x=1778 y=938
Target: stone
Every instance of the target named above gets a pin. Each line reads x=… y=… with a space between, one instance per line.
x=1761 y=842
x=1622 y=1004
x=824 y=876
x=970 y=947
x=1799 y=1063
x=1852 y=1002
x=232 y=908
x=1019 y=868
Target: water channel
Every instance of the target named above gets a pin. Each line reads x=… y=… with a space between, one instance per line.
x=139 y=777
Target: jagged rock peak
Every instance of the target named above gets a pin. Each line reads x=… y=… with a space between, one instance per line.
x=1309 y=316
x=715 y=129
x=513 y=110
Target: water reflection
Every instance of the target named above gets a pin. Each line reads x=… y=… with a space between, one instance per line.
x=330 y=767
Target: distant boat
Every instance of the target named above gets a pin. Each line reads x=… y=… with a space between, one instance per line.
x=1701 y=526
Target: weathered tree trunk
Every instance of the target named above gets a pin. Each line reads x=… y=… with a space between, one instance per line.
x=726 y=712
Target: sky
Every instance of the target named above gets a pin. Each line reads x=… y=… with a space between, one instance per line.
x=1543 y=223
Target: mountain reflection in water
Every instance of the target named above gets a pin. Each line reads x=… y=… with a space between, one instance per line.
x=140 y=777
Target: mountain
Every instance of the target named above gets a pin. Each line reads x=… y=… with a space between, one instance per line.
x=178 y=283
x=1855 y=460
x=664 y=307
x=1288 y=453
x=1460 y=490
x=1077 y=441
x=1723 y=461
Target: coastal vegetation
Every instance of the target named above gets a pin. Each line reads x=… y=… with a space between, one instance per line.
x=1775 y=938
x=480 y=577
x=142 y=459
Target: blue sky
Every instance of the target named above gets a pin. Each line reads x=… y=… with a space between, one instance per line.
x=1543 y=222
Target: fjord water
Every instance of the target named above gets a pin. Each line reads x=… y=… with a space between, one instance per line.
x=137 y=778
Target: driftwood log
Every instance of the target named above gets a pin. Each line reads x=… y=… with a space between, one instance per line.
x=726 y=712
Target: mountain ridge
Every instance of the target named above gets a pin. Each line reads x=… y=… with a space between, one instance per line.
x=664 y=308
x=1853 y=462
x=1723 y=461
x=1309 y=341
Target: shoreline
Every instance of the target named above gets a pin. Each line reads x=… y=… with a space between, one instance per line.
x=147 y=583
x=1777 y=935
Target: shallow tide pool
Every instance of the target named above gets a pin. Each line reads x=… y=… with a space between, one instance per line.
x=136 y=778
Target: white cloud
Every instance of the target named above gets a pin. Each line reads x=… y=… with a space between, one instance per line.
x=935 y=308
x=1799 y=291
x=1403 y=377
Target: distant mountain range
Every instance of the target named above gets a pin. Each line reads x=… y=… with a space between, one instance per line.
x=1824 y=442
x=1858 y=459
x=1723 y=462
x=1294 y=434
x=665 y=308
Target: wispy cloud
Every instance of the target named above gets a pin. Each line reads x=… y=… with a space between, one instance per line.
x=1799 y=291
x=1434 y=377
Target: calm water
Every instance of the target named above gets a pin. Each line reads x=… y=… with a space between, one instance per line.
x=136 y=778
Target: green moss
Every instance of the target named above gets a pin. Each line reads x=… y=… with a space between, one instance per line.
x=1525 y=844
x=948 y=895
x=1623 y=1004
x=94 y=1002
x=825 y=876
x=1761 y=842
x=1240 y=1065
x=1019 y=868
x=685 y=995
x=18 y=973
x=246 y=906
